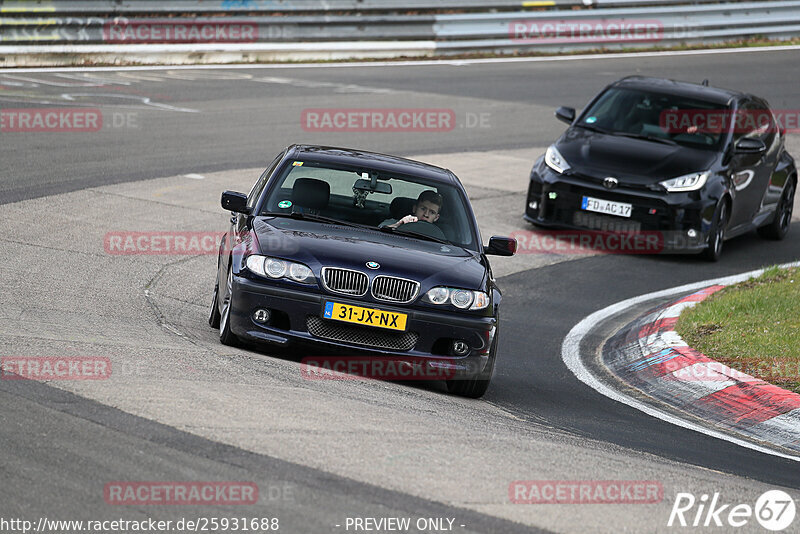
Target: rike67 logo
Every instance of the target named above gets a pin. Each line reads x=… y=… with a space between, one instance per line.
x=774 y=510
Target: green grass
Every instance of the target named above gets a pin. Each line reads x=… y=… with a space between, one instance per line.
x=753 y=327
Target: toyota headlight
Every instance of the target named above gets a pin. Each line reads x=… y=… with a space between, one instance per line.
x=460 y=298
x=277 y=268
x=555 y=160
x=687 y=182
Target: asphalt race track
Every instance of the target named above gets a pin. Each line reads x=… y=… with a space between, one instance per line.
x=181 y=407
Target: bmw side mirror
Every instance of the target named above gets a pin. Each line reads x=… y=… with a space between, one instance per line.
x=233 y=201
x=748 y=145
x=565 y=114
x=501 y=246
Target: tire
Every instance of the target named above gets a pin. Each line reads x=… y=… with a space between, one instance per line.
x=474 y=387
x=777 y=229
x=226 y=337
x=717 y=235
x=214 y=315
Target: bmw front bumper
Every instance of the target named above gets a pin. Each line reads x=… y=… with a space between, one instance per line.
x=296 y=318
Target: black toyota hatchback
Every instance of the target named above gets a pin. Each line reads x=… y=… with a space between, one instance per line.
x=344 y=250
x=692 y=163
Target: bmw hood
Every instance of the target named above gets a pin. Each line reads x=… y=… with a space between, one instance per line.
x=631 y=161
x=327 y=245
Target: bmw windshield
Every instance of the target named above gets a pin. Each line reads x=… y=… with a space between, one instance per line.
x=402 y=204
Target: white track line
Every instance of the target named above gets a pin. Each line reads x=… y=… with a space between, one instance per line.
x=570 y=354
x=414 y=63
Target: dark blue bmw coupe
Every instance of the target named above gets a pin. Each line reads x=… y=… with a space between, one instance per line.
x=345 y=250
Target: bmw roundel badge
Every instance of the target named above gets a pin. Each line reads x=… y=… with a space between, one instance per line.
x=373 y=265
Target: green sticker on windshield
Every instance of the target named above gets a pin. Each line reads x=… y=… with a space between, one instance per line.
x=590 y=120
x=285 y=204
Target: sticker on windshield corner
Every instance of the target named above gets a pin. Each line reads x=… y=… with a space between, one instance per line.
x=590 y=120
x=297 y=164
x=285 y=204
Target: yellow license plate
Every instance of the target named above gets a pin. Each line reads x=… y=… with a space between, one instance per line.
x=365 y=316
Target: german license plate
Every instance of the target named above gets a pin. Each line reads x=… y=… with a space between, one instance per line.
x=365 y=316
x=598 y=205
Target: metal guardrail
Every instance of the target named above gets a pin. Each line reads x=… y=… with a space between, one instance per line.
x=367 y=31
x=456 y=31
x=177 y=7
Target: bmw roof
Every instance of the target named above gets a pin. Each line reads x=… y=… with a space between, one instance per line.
x=371 y=160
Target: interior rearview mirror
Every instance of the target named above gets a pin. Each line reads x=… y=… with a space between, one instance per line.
x=377 y=187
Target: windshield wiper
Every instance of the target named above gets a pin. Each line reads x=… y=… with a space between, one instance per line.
x=646 y=137
x=312 y=217
x=420 y=235
x=592 y=128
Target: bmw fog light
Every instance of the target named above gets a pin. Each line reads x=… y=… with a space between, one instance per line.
x=460 y=347
x=261 y=316
x=533 y=205
x=692 y=233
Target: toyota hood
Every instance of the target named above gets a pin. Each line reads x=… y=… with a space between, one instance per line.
x=632 y=161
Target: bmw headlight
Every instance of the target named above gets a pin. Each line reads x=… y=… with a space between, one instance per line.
x=299 y=272
x=687 y=182
x=555 y=160
x=438 y=295
x=276 y=268
x=460 y=298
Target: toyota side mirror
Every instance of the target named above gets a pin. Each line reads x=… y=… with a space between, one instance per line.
x=750 y=146
x=565 y=114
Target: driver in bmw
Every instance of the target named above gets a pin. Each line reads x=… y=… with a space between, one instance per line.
x=427 y=208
